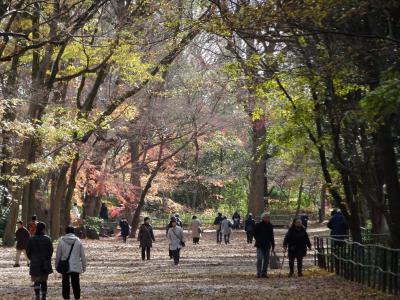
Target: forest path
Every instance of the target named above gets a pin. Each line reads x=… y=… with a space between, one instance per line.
x=207 y=271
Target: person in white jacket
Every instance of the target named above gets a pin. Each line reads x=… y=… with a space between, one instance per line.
x=226 y=229
x=77 y=262
x=75 y=212
x=176 y=240
x=196 y=229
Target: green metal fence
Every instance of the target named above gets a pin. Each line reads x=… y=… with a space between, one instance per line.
x=372 y=238
x=374 y=265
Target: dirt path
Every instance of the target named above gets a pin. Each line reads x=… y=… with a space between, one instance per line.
x=207 y=271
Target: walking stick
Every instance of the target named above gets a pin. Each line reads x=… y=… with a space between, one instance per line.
x=283 y=261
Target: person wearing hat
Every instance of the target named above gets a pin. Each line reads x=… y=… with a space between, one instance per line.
x=178 y=221
x=176 y=240
x=249 y=226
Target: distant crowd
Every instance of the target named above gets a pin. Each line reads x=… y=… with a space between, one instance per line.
x=70 y=259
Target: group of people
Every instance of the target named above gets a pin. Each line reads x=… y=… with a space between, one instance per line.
x=39 y=251
x=223 y=227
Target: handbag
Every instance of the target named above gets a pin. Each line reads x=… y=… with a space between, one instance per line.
x=182 y=243
x=63 y=265
x=274 y=261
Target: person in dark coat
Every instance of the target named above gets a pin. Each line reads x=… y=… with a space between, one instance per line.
x=249 y=226
x=265 y=242
x=338 y=226
x=39 y=252
x=296 y=241
x=304 y=219
x=217 y=224
x=103 y=212
x=22 y=236
x=146 y=238
x=236 y=220
x=123 y=224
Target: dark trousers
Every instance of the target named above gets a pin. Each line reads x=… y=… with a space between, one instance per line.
x=146 y=250
x=196 y=240
x=40 y=287
x=219 y=236
x=76 y=287
x=299 y=258
x=226 y=238
x=171 y=255
x=249 y=237
x=262 y=261
x=124 y=238
x=176 y=254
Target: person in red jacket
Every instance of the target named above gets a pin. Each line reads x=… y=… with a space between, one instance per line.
x=32 y=225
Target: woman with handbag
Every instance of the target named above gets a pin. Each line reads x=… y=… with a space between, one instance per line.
x=196 y=229
x=176 y=240
x=70 y=262
x=39 y=251
x=296 y=242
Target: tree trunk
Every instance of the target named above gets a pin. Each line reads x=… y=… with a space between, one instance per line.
x=134 y=148
x=91 y=205
x=70 y=190
x=56 y=201
x=257 y=171
x=321 y=213
x=388 y=159
x=9 y=234
x=299 y=198
x=136 y=215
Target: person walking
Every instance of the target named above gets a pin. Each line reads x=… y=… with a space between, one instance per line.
x=123 y=224
x=196 y=229
x=39 y=251
x=249 y=226
x=22 y=237
x=146 y=238
x=169 y=225
x=217 y=225
x=103 y=212
x=75 y=212
x=71 y=246
x=178 y=221
x=304 y=219
x=338 y=226
x=296 y=242
x=236 y=220
x=265 y=242
x=176 y=240
x=226 y=229
x=32 y=225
